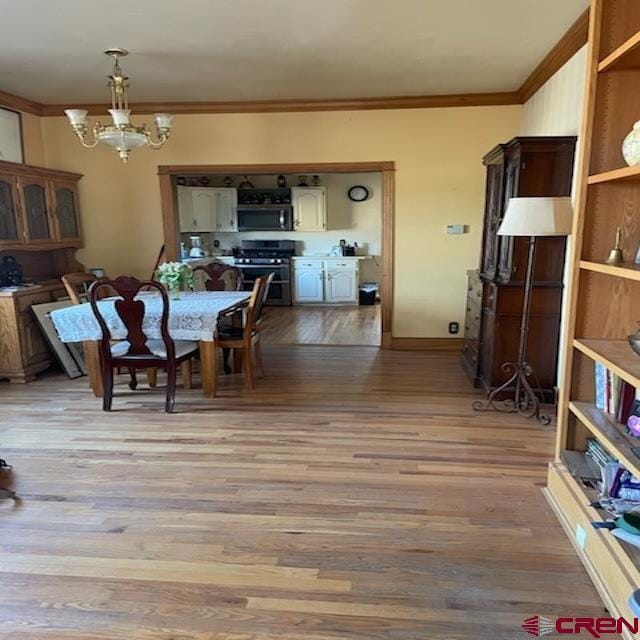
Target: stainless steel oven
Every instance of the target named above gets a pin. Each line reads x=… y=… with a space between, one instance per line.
x=265 y=217
x=280 y=290
x=260 y=258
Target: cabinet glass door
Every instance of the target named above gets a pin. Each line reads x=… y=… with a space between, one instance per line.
x=36 y=210
x=9 y=227
x=66 y=210
x=506 y=242
x=491 y=241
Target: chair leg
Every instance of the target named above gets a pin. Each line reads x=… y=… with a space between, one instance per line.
x=133 y=382
x=152 y=377
x=237 y=360
x=171 y=386
x=226 y=352
x=186 y=374
x=248 y=367
x=259 y=361
x=107 y=385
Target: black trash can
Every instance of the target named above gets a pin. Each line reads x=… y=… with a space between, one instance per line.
x=368 y=293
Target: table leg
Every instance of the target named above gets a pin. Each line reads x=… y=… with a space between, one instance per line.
x=94 y=371
x=208 y=368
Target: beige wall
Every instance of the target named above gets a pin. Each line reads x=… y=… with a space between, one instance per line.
x=557 y=109
x=439 y=181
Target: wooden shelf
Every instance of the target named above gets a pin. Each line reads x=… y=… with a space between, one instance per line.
x=611 y=434
x=628 y=270
x=626 y=173
x=616 y=355
x=626 y=56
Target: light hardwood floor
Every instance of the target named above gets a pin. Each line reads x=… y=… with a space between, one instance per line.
x=359 y=325
x=353 y=495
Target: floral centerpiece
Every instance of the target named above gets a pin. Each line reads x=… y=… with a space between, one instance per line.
x=175 y=276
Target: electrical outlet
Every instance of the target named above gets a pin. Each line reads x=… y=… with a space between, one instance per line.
x=454 y=327
x=581 y=537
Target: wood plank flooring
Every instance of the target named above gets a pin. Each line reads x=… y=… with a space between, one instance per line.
x=353 y=495
x=335 y=325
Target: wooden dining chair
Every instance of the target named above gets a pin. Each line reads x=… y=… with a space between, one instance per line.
x=221 y=277
x=242 y=339
x=137 y=351
x=77 y=285
x=257 y=345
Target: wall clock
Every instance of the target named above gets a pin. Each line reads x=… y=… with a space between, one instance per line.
x=358 y=193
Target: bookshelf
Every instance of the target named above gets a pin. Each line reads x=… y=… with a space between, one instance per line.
x=604 y=300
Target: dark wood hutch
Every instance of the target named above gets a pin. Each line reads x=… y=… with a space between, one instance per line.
x=525 y=166
x=40 y=226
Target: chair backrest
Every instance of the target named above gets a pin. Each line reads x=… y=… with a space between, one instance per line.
x=265 y=294
x=131 y=312
x=221 y=277
x=77 y=285
x=157 y=264
x=256 y=302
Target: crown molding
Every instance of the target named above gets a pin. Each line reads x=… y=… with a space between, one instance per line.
x=20 y=104
x=571 y=42
x=275 y=106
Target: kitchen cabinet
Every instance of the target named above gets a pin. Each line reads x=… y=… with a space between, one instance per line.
x=226 y=203
x=308 y=285
x=341 y=286
x=328 y=280
x=207 y=209
x=309 y=208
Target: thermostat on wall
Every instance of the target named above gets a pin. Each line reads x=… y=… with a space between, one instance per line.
x=456 y=228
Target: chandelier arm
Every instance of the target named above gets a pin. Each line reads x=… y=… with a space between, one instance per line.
x=82 y=136
x=156 y=144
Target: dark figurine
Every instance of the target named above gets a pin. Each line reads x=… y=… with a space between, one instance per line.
x=10 y=272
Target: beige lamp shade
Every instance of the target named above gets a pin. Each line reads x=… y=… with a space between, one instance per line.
x=537 y=217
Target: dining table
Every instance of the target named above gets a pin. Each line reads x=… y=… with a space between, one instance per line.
x=193 y=315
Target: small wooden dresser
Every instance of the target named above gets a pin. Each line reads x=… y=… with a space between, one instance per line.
x=40 y=227
x=541 y=166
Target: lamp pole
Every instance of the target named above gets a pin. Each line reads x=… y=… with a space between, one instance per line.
x=524 y=401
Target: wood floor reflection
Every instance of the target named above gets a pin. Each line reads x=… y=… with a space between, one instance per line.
x=359 y=326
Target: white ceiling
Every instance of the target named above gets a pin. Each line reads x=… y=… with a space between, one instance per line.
x=51 y=50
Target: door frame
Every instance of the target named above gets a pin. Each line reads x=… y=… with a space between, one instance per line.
x=167 y=175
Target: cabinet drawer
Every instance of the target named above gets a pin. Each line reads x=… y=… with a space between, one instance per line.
x=309 y=264
x=470 y=353
x=351 y=265
x=25 y=302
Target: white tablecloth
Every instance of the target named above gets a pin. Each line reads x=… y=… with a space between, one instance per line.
x=192 y=317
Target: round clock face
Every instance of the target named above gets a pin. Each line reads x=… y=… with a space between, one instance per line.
x=358 y=193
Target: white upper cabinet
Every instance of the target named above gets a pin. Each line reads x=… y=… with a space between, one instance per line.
x=226 y=205
x=203 y=202
x=205 y=209
x=309 y=208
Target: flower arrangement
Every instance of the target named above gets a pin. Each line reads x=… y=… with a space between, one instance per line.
x=175 y=276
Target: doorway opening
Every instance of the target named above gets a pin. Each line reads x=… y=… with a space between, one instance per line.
x=325 y=229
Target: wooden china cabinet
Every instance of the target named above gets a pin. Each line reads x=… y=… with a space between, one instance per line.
x=525 y=166
x=39 y=227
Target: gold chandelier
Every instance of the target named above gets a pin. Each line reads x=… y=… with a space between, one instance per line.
x=121 y=134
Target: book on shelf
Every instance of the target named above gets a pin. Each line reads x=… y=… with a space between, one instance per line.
x=613 y=394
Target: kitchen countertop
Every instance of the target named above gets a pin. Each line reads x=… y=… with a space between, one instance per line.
x=329 y=257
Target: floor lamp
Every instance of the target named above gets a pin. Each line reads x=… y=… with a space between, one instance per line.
x=532 y=218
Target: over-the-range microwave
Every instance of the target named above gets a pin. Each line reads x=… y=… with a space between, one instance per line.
x=265 y=217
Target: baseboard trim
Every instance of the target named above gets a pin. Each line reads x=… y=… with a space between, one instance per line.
x=426 y=344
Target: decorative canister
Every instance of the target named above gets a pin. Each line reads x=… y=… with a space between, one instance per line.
x=631 y=146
